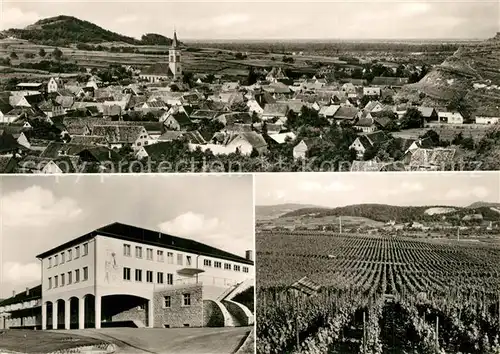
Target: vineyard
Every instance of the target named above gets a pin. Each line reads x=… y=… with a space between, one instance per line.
x=377 y=294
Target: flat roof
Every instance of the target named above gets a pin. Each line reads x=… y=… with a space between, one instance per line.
x=154 y=238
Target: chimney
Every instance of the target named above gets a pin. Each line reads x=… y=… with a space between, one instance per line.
x=249 y=255
x=27 y=291
x=13 y=293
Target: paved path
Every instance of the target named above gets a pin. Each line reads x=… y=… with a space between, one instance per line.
x=171 y=340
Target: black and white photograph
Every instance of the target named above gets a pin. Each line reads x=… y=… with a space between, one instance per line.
x=378 y=263
x=91 y=86
x=127 y=264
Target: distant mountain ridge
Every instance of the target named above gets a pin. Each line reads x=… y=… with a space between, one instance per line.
x=63 y=30
x=483 y=204
x=402 y=214
x=274 y=211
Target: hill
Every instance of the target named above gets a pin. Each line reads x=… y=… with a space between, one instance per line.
x=64 y=30
x=468 y=80
x=401 y=214
x=483 y=205
x=266 y=212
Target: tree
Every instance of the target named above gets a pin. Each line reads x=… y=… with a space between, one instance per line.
x=412 y=119
x=42 y=52
x=433 y=136
x=57 y=53
x=13 y=55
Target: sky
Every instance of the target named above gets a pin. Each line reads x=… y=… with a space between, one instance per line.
x=205 y=20
x=341 y=189
x=38 y=213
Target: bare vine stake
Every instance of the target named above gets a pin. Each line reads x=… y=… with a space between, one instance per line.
x=364 y=334
x=297 y=325
x=437 y=333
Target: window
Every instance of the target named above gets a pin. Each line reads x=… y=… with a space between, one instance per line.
x=62 y=279
x=167 y=301
x=170 y=279
x=50 y=262
x=149 y=254
x=186 y=299
x=85 y=273
x=160 y=256
x=126 y=250
x=70 y=278
x=207 y=262
x=138 y=275
x=149 y=276
x=56 y=260
x=245 y=269
x=179 y=258
x=77 y=252
x=126 y=273
x=159 y=277
x=85 y=249
x=217 y=264
x=77 y=275
x=237 y=268
x=170 y=258
x=227 y=266
x=70 y=255
x=50 y=283
x=56 y=282
x=62 y=257
x=188 y=260
x=138 y=252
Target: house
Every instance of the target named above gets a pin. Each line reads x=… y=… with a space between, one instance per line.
x=367 y=141
x=100 y=157
x=155 y=151
x=304 y=146
x=9 y=144
x=254 y=106
x=41 y=165
x=203 y=115
x=487 y=115
x=5 y=108
x=18 y=132
x=89 y=140
x=51 y=108
x=436 y=159
x=450 y=117
x=346 y=113
x=425 y=143
x=8 y=163
x=230 y=86
x=178 y=121
x=373 y=106
x=246 y=142
x=53 y=85
x=282 y=138
x=366 y=125
x=348 y=88
x=275 y=111
x=429 y=114
x=329 y=111
x=371 y=91
x=276 y=74
x=121 y=135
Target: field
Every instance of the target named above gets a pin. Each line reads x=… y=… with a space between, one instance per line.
x=447 y=132
x=379 y=294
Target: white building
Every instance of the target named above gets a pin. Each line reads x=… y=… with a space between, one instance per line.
x=121 y=273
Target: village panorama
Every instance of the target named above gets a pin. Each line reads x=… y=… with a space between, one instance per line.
x=77 y=98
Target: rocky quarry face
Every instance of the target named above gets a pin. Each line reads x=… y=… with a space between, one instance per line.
x=470 y=77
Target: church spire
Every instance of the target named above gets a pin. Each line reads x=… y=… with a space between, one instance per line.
x=175 y=42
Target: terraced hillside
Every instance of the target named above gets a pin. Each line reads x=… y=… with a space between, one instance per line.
x=471 y=76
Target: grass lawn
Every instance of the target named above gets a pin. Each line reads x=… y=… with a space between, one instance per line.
x=28 y=341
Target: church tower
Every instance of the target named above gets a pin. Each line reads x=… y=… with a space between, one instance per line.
x=174 y=58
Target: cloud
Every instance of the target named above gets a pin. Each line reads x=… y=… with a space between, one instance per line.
x=198 y=227
x=413 y=8
x=478 y=192
x=19 y=274
x=15 y=17
x=35 y=206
